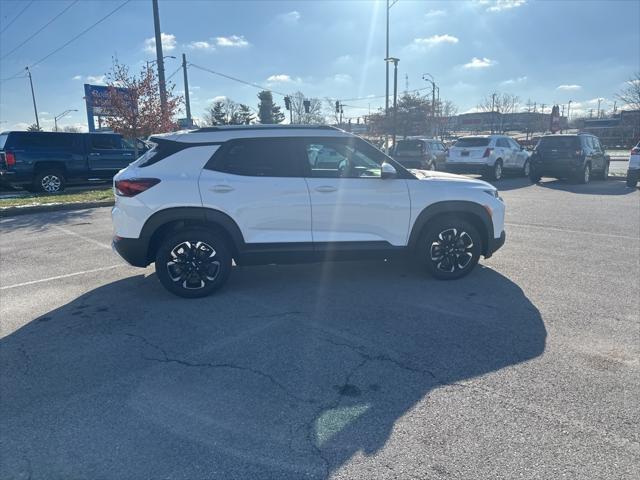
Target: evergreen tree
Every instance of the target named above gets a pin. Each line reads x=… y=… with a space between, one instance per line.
x=278 y=116
x=265 y=107
x=243 y=116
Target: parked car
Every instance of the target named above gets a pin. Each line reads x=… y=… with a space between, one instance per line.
x=489 y=155
x=201 y=199
x=47 y=161
x=420 y=153
x=577 y=157
x=633 y=172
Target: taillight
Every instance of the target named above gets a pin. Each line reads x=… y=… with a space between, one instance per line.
x=10 y=159
x=487 y=152
x=133 y=186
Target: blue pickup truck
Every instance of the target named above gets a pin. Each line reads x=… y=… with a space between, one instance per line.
x=47 y=161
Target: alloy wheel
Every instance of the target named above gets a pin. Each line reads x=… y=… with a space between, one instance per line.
x=587 y=174
x=497 y=171
x=51 y=183
x=527 y=168
x=451 y=250
x=193 y=265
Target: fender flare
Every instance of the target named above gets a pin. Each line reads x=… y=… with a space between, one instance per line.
x=454 y=207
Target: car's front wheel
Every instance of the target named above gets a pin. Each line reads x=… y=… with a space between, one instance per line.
x=632 y=179
x=193 y=263
x=450 y=248
x=584 y=175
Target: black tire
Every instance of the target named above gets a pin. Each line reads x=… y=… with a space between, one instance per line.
x=193 y=263
x=584 y=176
x=497 y=171
x=49 y=181
x=534 y=177
x=605 y=172
x=632 y=180
x=462 y=244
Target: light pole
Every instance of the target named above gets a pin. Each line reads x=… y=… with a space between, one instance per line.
x=55 y=119
x=395 y=95
x=569 y=113
x=160 y=60
x=33 y=97
x=427 y=77
x=386 y=91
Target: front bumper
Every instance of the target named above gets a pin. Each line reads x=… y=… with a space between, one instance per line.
x=460 y=167
x=495 y=244
x=133 y=250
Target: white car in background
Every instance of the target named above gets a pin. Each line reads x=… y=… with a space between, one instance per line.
x=633 y=173
x=489 y=155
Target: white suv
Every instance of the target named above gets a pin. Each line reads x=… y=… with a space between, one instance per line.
x=490 y=155
x=291 y=194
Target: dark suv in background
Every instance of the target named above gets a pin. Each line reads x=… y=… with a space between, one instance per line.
x=576 y=157
x=420 y=153
x=46 y=161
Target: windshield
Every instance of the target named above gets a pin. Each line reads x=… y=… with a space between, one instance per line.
x=560 y=143
x=409 y=147
x=472 y=142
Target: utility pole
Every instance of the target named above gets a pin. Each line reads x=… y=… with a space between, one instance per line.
x=493 y=106
x=542 y=105
x=395 y=95
x=33 y=97
x=599 y=101
x=569 y=112
x=160 y=60
x=186 y=91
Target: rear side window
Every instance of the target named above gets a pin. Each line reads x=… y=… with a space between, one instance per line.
x=558 y=143
x=502 y=142
x=409 y=147
x=106 y=142
x=472 y=142
x=257 y=157
x=42 y=140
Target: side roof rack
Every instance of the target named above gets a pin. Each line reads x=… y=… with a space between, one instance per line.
x=229 y=128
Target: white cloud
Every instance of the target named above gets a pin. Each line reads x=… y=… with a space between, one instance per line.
x=219 y=98
x=280 y=78
x=290 y=18
x=499 y=5
x=343 y=59
x=436 y=40
x=513 y=81
x=77 y=77
x=569 y=87
x=232 y=41
x=20 y=126
x=342 y=78
x=594 y=101
x=96 y=79
x=44 y=113
x=168 y=43
x=483 y=62
x=435 y=13
x=202 y=46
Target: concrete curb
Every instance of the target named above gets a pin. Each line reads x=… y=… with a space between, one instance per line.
x=15 y=211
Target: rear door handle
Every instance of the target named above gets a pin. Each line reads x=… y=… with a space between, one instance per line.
x=326 y=189
x=221 y=188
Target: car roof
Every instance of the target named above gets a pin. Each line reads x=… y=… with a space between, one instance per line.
x=425 y=139
x=228 y=132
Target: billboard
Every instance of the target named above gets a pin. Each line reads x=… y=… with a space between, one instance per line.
x=96 y=98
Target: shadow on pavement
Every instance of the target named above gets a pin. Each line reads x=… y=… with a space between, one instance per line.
x=288 y=372
x=42 y=221
x=613 y=186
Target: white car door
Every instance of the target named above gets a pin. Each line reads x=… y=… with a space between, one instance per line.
x=260 y=186
x=504 y=152
x=519 y=155
x=350 y=202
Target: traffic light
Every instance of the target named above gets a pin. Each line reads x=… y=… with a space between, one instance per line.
x=337 y=106
x=307 y=106
x=287 y=103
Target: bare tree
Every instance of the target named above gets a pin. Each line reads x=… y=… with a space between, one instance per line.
x=630 y=93
x=300 y=115
x=71 y=129
x=499 y=102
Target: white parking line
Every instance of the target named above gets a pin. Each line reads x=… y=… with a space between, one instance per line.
x=567 y=230
x=83 y=237
x=58 y=277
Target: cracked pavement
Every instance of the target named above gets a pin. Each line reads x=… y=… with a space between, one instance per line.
x=528 y=368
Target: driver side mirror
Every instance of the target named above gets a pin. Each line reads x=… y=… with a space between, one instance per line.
x=388 y=171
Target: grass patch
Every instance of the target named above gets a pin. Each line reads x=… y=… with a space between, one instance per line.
x=44 y=199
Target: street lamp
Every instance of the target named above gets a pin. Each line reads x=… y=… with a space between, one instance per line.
x=55 y=119
x=395 y=95
x=150 y=62
x=427 y=77
x=386 y=91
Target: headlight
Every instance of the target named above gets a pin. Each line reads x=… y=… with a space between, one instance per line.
x=493 y=193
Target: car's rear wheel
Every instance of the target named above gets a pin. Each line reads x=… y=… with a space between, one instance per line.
x=193 y=263
x=584 y=175
x=450 y=248
x=605 y=172
x=526 y=169
x=49 y=181
x=632 y=179
x=496 y=171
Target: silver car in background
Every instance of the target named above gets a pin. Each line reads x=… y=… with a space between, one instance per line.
x=490 y=155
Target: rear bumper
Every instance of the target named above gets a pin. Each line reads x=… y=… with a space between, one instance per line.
x=495 y=244
x=132 y=250
x=13 y=178
x=459 y=167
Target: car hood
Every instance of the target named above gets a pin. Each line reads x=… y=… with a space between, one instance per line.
x=444 y=176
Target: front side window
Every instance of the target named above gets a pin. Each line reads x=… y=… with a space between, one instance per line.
x=331 y=158
x=106 y=142
x=257 y=157
x=502 y=142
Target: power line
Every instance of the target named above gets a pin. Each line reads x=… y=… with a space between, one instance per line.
x=17 y=16
x=71 y=40
x=177 y=70
x=40 y=29
x=237 y=79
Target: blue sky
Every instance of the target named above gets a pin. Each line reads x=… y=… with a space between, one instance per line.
x=548 y=51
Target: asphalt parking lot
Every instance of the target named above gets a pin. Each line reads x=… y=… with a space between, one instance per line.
x=528 y=368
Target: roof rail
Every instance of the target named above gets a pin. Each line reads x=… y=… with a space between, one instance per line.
x=227 y=128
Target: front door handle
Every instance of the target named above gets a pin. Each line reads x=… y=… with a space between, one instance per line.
x=326 y=189
x=221 y=188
